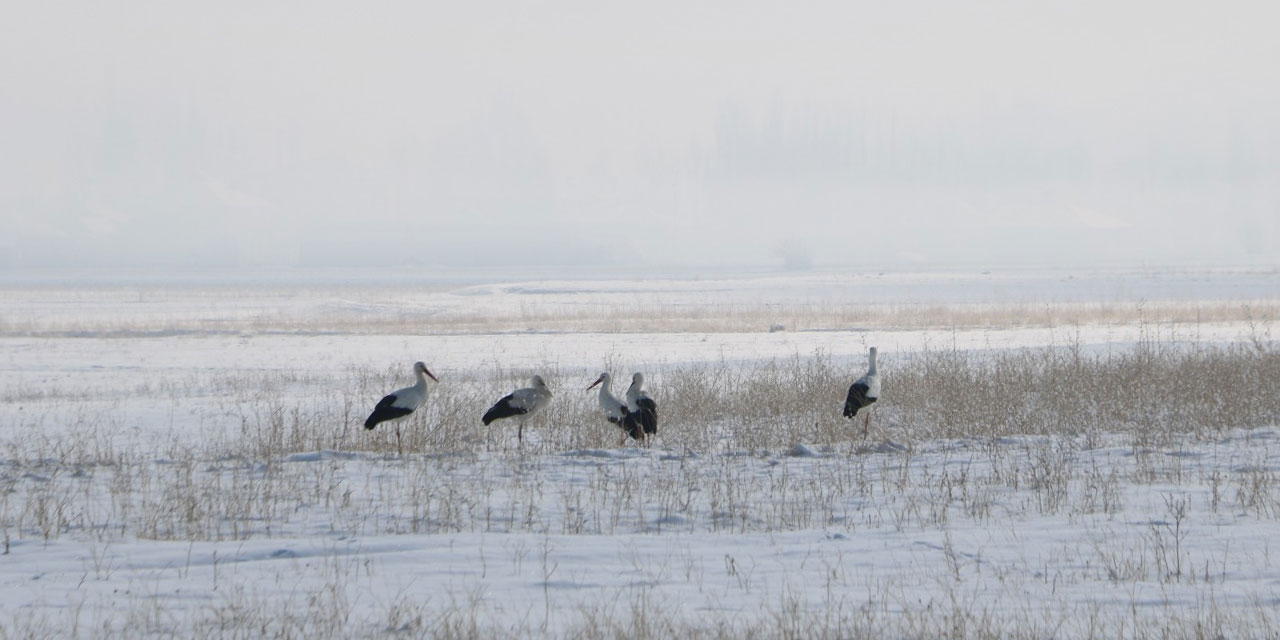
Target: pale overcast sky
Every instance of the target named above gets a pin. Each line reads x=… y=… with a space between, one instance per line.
x=249 y=133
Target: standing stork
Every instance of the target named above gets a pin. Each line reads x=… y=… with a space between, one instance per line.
x=862 y=393
x=615 y=411
x=521 y=404
x=398 y=405
x=644 y=411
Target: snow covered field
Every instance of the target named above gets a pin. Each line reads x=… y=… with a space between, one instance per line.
x=183 y=456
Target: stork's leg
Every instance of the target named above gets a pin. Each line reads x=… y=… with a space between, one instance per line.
x=399 y=449
x=520 y=434
x=866 y=425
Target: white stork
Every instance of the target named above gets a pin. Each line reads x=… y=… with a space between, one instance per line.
x=521 y=404
x=615 y=411
x=398 y=405
x=644 y=411
x=862 y=393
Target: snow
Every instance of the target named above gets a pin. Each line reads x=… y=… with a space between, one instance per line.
x=112 y=527
x=1006 y=551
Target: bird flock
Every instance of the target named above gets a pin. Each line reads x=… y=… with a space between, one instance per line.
x=636 y=415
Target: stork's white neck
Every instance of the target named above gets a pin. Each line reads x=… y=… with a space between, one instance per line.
x=871 y=370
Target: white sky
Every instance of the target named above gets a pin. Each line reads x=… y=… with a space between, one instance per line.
x=311 y=133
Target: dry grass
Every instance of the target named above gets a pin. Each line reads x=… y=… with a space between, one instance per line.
x=1153 y=391
x=234 y=482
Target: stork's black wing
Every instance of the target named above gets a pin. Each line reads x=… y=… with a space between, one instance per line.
x=632 y=425
x=385 y=411
x=503 y=409
x=647 y=410
x=857 y=399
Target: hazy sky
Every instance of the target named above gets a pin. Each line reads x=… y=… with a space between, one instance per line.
x=644 y=133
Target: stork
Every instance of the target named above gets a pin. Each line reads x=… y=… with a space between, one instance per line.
x=399 y=405
x=615 y=411
x=862 y=393
x=644 y=411
x=521 y=404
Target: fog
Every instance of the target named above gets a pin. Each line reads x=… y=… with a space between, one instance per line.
x=312 y=134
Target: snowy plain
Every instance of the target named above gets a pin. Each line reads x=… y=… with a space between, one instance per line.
x=143 y=494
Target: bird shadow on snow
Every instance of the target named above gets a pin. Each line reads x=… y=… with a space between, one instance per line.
x=630 y=453
x=325 y=454
x=801 y=450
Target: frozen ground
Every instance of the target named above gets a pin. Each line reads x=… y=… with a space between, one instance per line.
x=142 y=492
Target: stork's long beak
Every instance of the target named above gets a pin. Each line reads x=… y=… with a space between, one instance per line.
x=598 y=381
x=428 y=372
